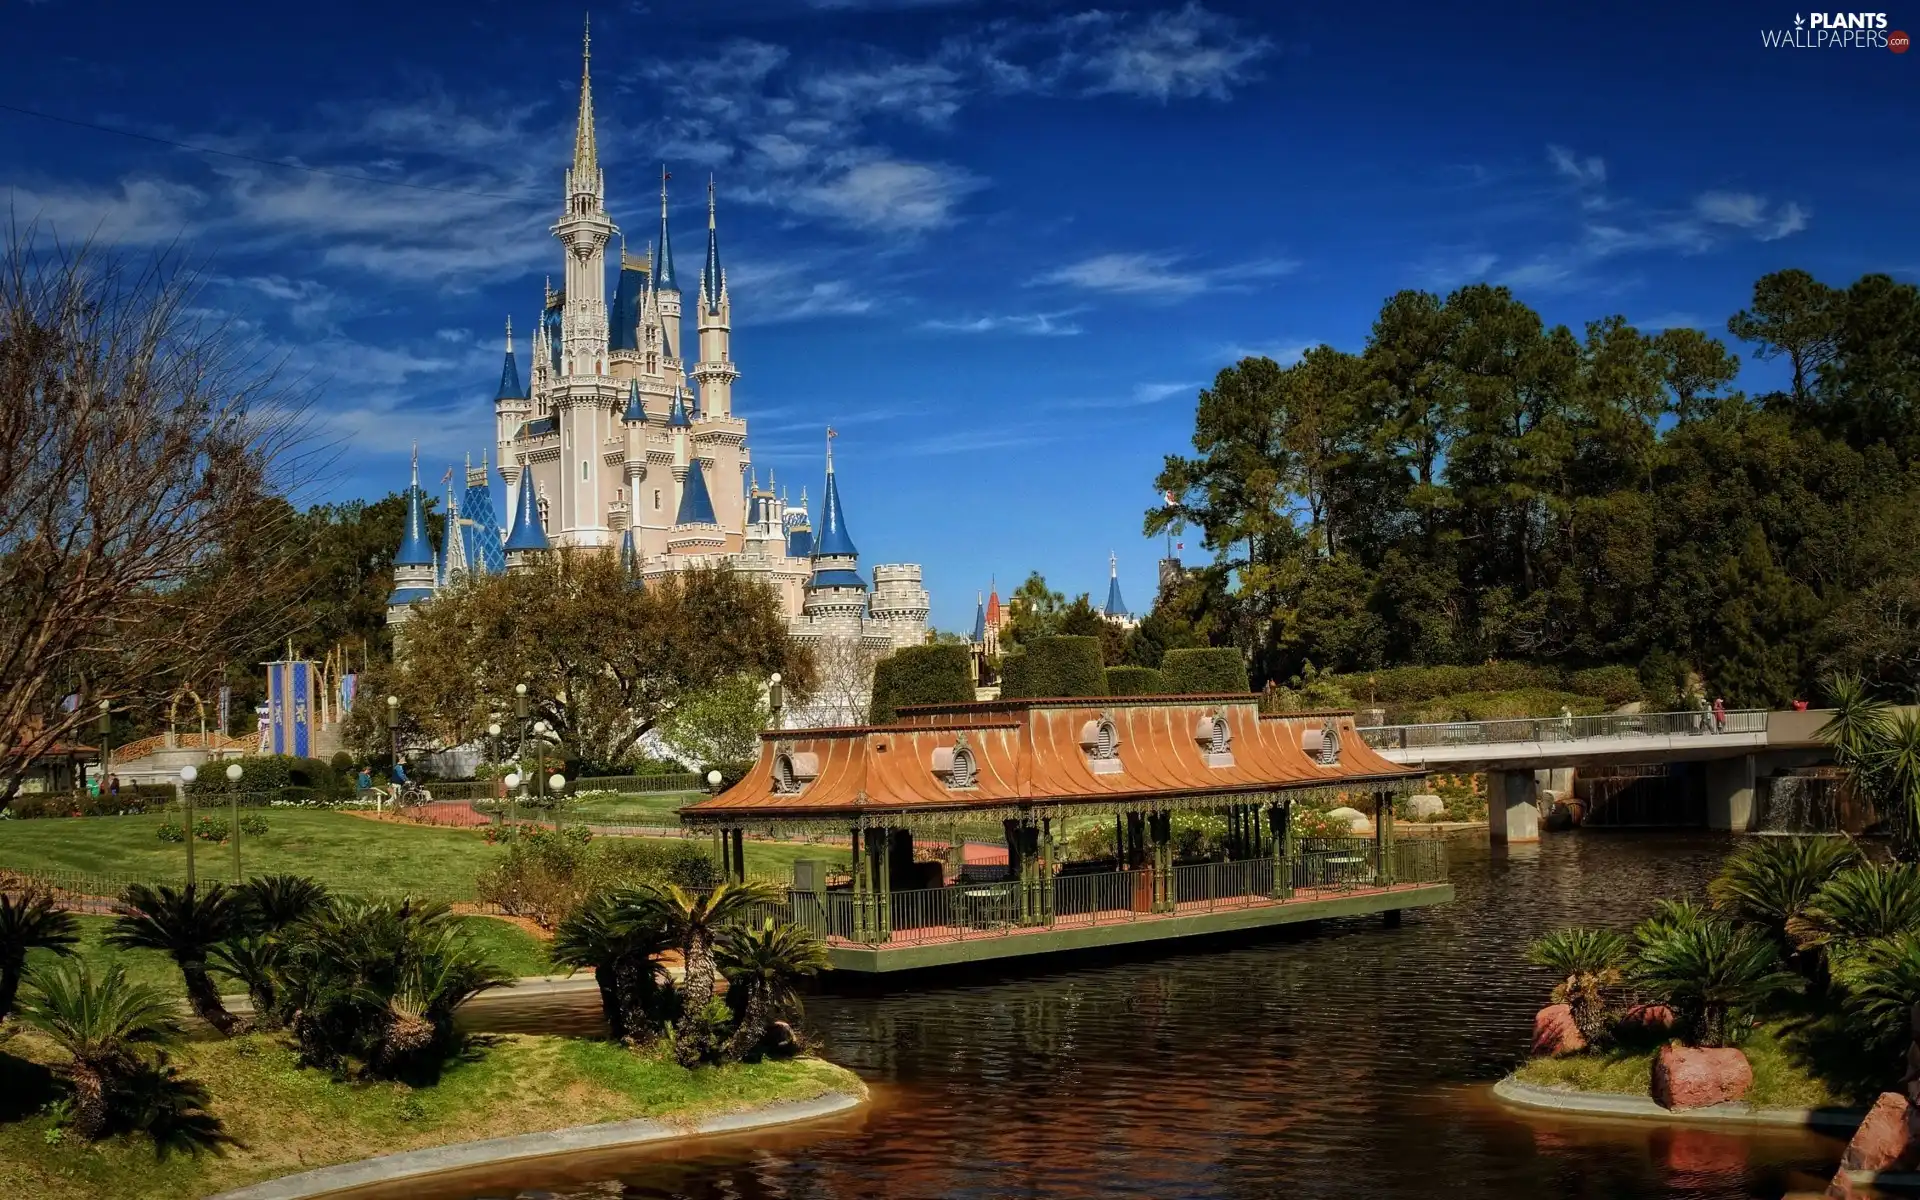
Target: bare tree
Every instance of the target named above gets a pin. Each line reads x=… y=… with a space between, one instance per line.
x=844 y=684
x=141 y=449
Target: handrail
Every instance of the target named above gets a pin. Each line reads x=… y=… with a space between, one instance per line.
x=1698 y=723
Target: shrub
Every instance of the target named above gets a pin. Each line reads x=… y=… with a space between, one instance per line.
x=253 y=824
x=341 y=762
x=171 y=831
x=1215 y=670
x=544 y=875
x=138 y=798
x=307 y=778
x=919 y=675
x=1315 y=823
x=209 y=830
x=1135 y=681
x=1054 y=668
x=628 y=863
x=1615 y=685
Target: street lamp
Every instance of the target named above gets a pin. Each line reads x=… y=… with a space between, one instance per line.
x=106 y=744
x=776 y=697
x=520 y=700
x=233 y=777
x=512 y=781
x=713 y=780
x=188 y=774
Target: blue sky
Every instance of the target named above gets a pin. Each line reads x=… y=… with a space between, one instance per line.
x=997 y=247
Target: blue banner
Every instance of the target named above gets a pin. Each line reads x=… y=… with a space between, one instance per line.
x=347 y=685
x=277 y=706
x=302 y=709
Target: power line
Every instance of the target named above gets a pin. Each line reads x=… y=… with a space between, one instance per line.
x=265 y=162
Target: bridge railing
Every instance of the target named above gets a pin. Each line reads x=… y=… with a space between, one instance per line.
x=1564 y=729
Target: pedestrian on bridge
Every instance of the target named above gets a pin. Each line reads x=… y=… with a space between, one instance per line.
x=1719 y=715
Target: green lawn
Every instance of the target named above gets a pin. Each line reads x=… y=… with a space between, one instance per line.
x=514 y=951
x=347 y=853
x=287 y=1119
x=654 y=809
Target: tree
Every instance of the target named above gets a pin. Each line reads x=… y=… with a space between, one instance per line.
x=29 y=921
x=1033 y=611
x=843 y=676
x=101 y=1023
x=693 y=920
x=1768 y=883
x=721 y=724
x=763 y=968
x=604 y=662
x=1591 y=964
x=1793 y=316
x=137 y=442
x=1876 y=634
x=185 y=924
x=619 y=937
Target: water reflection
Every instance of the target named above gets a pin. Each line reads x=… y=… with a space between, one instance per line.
x=1345 y=1062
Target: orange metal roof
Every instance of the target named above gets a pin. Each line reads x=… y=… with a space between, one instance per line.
x=1034 y=752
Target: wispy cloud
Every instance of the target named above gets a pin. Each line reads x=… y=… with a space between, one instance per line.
x=890 y=196
x=1053 y=324
x=1754 y=214
x=1187 y=53
x=772 y=291
x=135 y=212
x=1590 y=171
x=1167 y=276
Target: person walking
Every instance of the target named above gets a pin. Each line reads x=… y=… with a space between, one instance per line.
x=113 y=786
x=1719 y=715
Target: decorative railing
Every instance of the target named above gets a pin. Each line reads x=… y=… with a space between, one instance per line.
x=1563 y=729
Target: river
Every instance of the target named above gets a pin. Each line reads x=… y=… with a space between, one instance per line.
x=1349 y=1061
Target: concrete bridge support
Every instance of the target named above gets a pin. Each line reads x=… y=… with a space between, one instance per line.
x=1730 y=794
x=1513 y=810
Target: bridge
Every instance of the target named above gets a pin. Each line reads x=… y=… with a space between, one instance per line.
x=1527 y=758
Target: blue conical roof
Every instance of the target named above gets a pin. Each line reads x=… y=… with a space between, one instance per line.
x=629 y=553
x=710 y=273
x=696 y=506
x=527 y=533
x=484 y=556
x=979 y=621
x=832 y=539
x=1116 y=607
x=628 y=295
x=415 y=550
x=636 y=411
x=510 y=387
x=677 y=415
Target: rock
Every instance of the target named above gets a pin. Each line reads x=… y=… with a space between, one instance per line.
x=1884 y=1142
x=1353 y=818
x=1694 y=1076
x=1423 y=807
x=1554 y=1032
x=782 y=1041
x=1647 y=1019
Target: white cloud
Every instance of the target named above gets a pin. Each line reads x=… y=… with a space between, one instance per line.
x=1192 y=52
x=1590 y=171
x=1751 y=213
x=138 y=212
x=1284 y=353
x=890 y=196
x=767 y=292
x=1043 y=324
x=1153 y=393
x=1162 y=275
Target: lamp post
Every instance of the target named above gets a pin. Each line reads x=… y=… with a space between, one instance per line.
x=393 y=741
x=776 y=697
x=493 y=745
x=233 y=777
x=556 y=783
x=512 y=781
x=540 y=759
x=106 y=745
x=188 y=774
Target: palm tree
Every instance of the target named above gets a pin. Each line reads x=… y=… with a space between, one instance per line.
x=1768 y=883
x=187 y=924
x=1590 y=963
x=1858 y=722
x=100 y=1023
x=762 y=967
x=1883 y=986
x=255 y=961
x=1861 y=904
x=618 y=936
x=29 y=922
x=1894 y=767
x=273 y=902
x=1711 y=973
x=693 y=920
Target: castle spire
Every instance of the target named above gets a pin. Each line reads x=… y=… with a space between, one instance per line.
x=833 y=541
x=1116 y=607
x=586 y=153
x=528 y=533
x=510 y=387
x=711 y=281
x=415 y=548
x=456 y=538
x=663 y=269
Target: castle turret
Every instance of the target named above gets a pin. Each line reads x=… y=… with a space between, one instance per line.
x=715 y=370
x=455 y=571
x=413 y=561
x=528 y=537
x=666 y=286
x=899 y=605
x=836 y=602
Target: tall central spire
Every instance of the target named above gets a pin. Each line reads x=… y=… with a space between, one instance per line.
x=710 y=279
x=663 y=269
x=586 y=155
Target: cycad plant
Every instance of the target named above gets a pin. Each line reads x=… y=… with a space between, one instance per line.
x=763 y=968
x=1894 y=766
x=1862 y=904
x=187 y=924
x=273 y=902
x=1591 y=964
x=619 y=936
x=101 y=1022
x=29 y=921
x=1768 y=882
x=1883 y=987
x=692 y=920
x=255 y=960
x=1667 y=917
x=1713 y=975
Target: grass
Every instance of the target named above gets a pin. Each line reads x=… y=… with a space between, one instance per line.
x=287 y=1119
x=1785 y=1073
x=514 y=950
x=655 y=809
x=349 y=854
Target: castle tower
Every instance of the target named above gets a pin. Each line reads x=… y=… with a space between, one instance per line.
x=715 y=370
x=1116 y=608
x=900 y=604
x=528 y=538
x=413 y=562
x=995 y=618
x=695 y=528
x=836 y=602
x=510 y=399
x=666 y=287
x=799 y=527
x=481 y=524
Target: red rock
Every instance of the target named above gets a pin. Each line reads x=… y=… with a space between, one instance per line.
x=1882 y=1143
x=1694 y=1076
x=1555 y=1033
x=1649 y=1018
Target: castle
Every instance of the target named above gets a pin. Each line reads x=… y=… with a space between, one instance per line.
x=623 y=438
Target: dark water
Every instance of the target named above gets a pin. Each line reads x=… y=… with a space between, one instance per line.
x=1349 y=1062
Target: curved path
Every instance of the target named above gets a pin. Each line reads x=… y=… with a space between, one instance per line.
x=420 y=1164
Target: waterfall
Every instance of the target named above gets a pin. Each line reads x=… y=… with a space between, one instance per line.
x=1799 y=804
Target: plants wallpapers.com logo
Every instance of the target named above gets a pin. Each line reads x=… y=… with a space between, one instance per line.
x=1837 y=31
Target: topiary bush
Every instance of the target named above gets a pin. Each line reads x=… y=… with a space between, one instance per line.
x=1055 y=667
x=919 y=675
x=1135 y=681
x=1214 y=670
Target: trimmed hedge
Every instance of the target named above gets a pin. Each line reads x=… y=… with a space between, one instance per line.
x=1214 y=670
x=1051 y=668
x=274 y=773
x=919 y=675
x=1135 y=681
x=134 y=798
x=1410 y=685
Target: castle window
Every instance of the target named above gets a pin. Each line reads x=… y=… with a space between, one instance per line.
x=656 y=499
x=546 y=513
